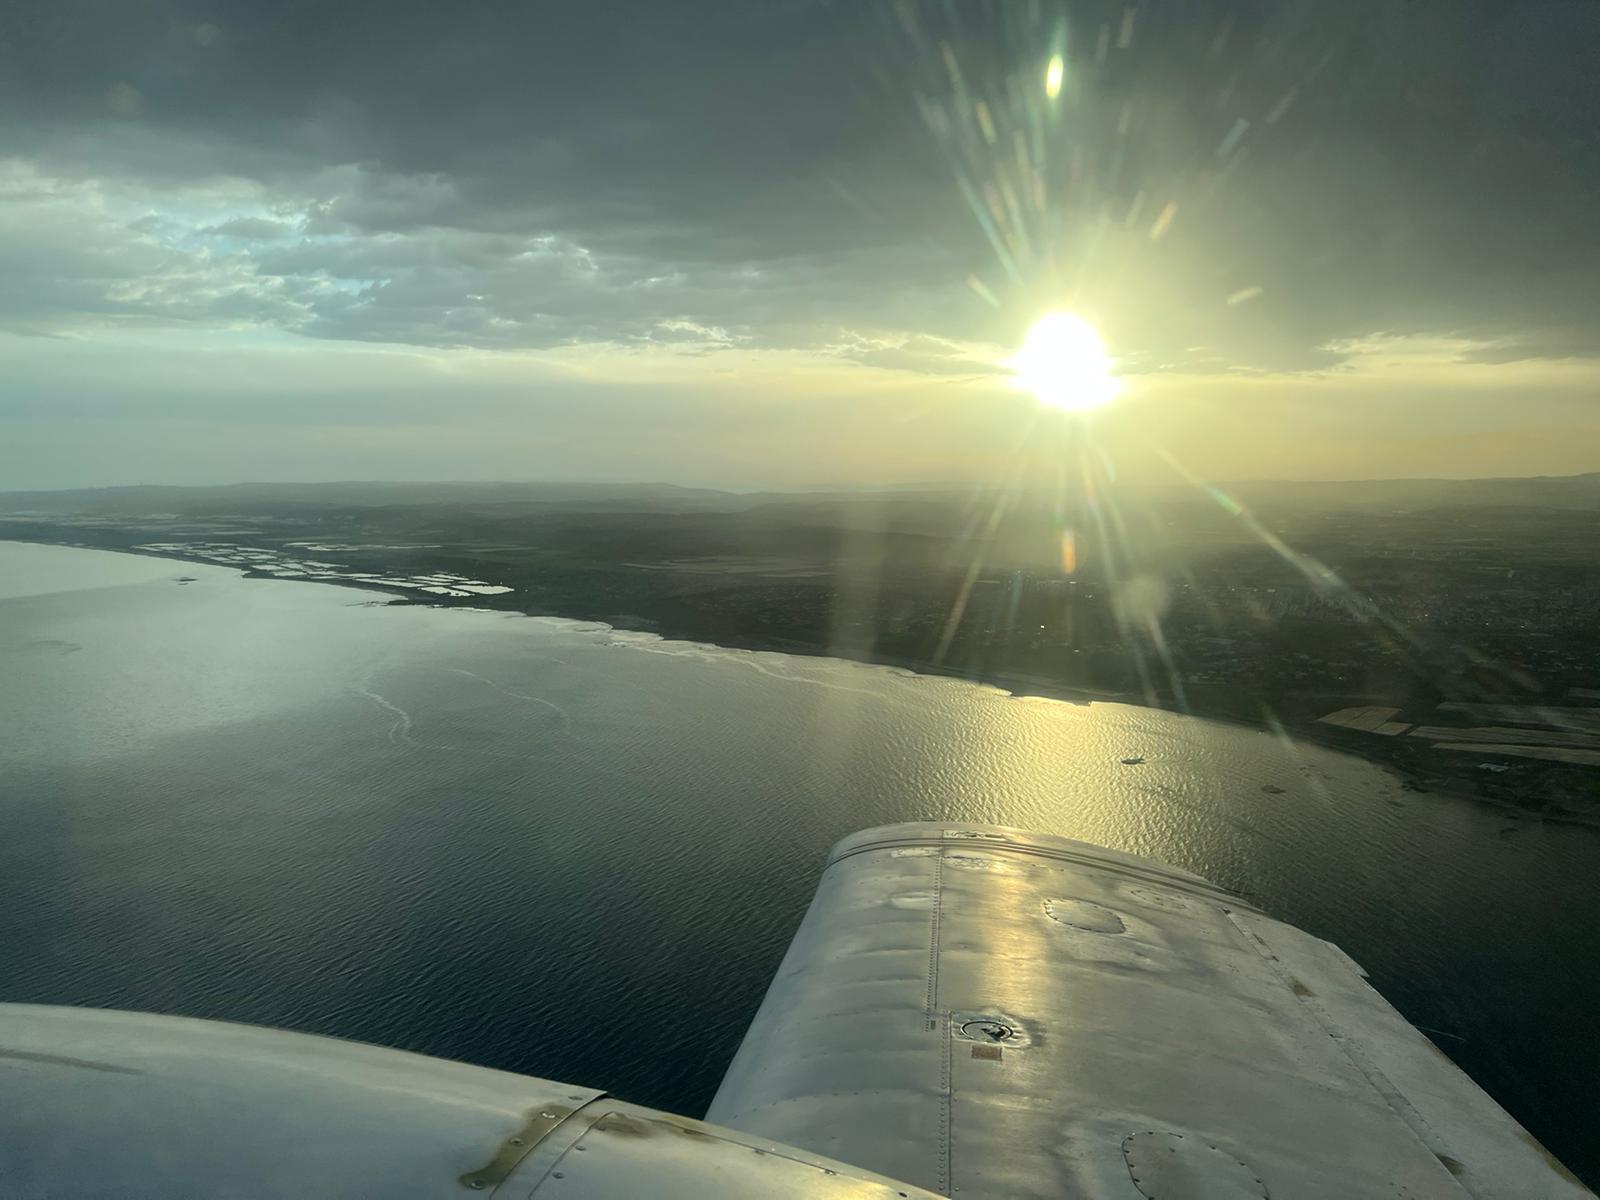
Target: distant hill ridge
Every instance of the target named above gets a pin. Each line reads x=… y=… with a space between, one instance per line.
x=236 y=497
x=1561 y=491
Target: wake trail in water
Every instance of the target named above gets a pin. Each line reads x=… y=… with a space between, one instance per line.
x=400 y=731
x=566 y=719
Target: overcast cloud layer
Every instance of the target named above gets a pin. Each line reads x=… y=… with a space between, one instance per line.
x=1225 y=186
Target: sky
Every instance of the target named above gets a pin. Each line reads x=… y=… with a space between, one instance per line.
x=787 y=243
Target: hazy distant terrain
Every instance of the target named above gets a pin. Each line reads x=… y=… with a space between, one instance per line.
x=1560 y=491
x=1265 y=602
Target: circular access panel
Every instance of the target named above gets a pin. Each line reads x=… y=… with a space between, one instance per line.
x=1170 y=1166
x=1081 y=914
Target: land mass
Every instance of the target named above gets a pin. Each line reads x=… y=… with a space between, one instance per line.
x=1445 y=628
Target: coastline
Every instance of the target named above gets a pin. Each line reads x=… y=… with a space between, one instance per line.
x=1020 y=685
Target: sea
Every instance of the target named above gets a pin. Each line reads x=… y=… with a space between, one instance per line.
x=557 y=848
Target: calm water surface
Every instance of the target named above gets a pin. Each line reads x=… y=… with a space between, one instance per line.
x=559 y=849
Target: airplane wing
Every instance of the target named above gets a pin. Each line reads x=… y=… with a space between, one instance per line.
x=965 y=1011
x=98 y=1105
x=988 y=1012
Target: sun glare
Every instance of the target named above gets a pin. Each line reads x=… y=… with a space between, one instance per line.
x=1065 y=364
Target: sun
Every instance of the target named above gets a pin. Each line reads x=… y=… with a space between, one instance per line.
x=1064 y=363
